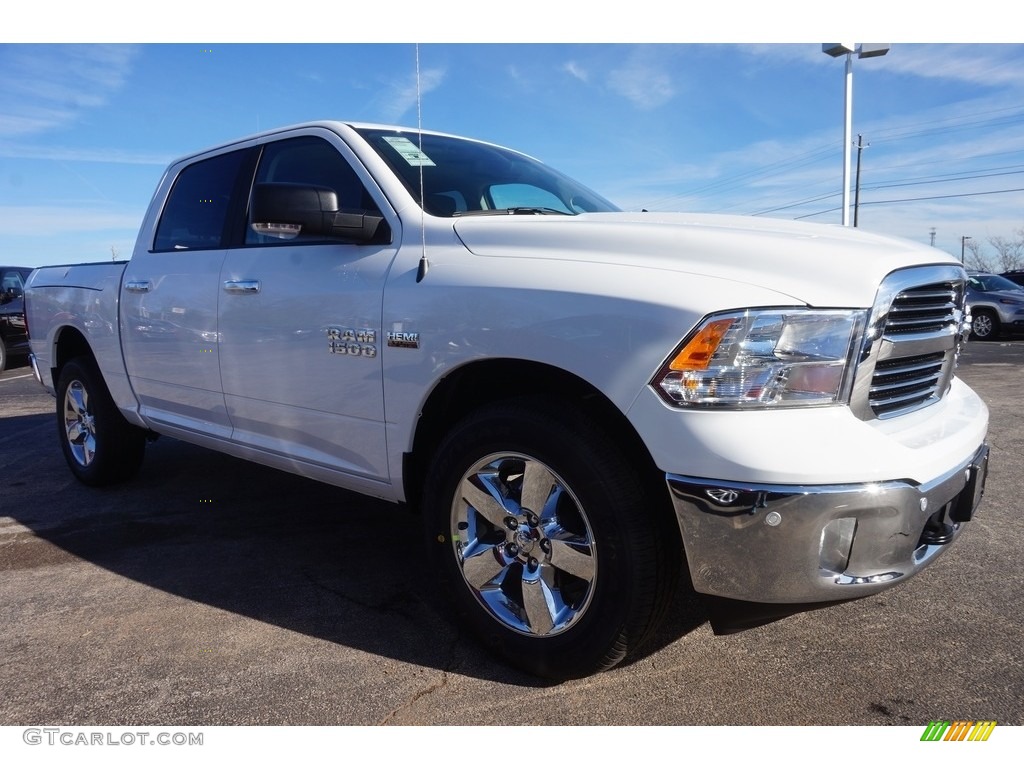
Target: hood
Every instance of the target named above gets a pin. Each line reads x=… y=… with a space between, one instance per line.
x=816 y=264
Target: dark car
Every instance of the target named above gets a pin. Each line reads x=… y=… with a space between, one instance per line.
x=13 y=337
x=1016 y=275
x=996 y=304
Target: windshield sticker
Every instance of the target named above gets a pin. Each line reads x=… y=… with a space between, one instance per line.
x=409 y=151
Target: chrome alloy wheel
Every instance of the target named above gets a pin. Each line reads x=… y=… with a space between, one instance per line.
x=983 y=325
x=523 y=544
x=79 y=424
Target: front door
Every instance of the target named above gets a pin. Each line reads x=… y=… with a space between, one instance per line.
x=300 y=327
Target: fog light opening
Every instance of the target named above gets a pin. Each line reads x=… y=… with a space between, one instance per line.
x=836 y=544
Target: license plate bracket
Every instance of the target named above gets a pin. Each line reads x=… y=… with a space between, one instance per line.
x=970 y=497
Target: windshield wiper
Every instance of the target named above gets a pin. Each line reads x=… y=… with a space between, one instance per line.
x=523 y=209
x=520 y=210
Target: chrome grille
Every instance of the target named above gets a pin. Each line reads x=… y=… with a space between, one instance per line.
x=928 y=309
x=913 y=340
x=905 y=382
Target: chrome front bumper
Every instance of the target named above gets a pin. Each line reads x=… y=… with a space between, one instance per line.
x=796 y=544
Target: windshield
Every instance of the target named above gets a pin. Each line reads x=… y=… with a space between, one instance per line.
x=989 y=283
x=464 y=177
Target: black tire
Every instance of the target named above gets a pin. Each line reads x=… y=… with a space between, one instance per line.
x=570 y=586
x=984 y=324
x=100 y=447
x=3 y=355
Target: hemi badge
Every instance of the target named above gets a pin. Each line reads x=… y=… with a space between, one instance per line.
x=403 y=339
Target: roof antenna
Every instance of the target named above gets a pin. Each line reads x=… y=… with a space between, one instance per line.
x=424 y=264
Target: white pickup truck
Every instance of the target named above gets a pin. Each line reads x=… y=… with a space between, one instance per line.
x=576 y=399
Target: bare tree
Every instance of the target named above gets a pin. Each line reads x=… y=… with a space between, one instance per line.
x=1001 y=255
x=975 y=257
x=1009 y=251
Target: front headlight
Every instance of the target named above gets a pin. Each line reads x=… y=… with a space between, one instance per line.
x=765 y=357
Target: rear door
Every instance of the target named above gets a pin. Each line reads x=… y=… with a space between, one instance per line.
x=171 y=292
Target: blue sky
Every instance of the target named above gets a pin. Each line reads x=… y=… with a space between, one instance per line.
x=86 y=129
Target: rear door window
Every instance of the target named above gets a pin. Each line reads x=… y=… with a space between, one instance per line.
x=196 y=215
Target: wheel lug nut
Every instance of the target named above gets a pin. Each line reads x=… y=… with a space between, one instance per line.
x=545 y=546
x=511 y=523
x=532 y=562
x=512 y=550
x=533 y=520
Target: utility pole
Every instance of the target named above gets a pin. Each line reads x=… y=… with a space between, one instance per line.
x=963 y=246
x=856 y=186
x=932 y=233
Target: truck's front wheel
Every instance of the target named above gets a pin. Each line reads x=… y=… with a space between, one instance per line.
x=547 y=540
x=99 y=445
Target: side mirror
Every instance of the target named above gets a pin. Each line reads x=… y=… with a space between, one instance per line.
x=287 y=210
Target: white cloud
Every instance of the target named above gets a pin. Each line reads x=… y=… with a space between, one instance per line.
x=401 y=97
x=982 y=64
x=81 y=155
x=576 y=71
x=642 y=81
x=45 y=86
x=29 y=220
x=986 y=65
x=25 y=121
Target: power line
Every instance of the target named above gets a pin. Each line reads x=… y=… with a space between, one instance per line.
x=939 y=180
x=798 y=161
x=918 y=200
x=951 y=124
x=809 y=157
x=945 y=197
x=922 y=182
x=956 y=176
x=797 y=204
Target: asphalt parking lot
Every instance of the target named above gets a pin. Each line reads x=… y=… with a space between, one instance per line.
x=209 y=591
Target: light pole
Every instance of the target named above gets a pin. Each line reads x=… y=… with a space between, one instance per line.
x=963 y=246
x=863 y=51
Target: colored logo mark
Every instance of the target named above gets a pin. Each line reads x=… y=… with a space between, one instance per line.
x=958 y=730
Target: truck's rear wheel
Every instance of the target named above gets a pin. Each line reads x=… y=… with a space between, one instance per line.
x=99 y=445
x=547 y=540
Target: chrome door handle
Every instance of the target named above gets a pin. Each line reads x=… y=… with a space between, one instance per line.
x=138 y=286
x=242 y=286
